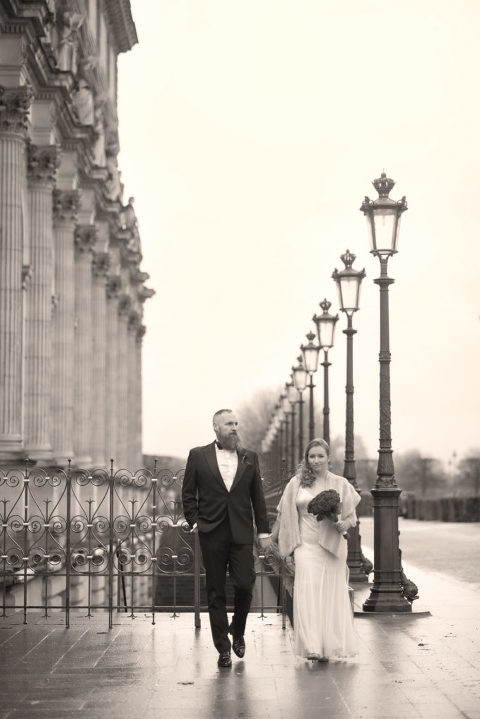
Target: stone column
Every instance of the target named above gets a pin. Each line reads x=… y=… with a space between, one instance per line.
x=83 y=375
x=143 y=294
x=111 y=375
x=101 y=263
x=122 y=382
x=133 y=323
x=14 y=106
x=65 y=207
x=42 y=165
x=139 y=404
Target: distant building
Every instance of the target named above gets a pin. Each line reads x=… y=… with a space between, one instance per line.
x=71 y=288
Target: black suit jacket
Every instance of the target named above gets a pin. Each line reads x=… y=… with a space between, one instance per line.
x=207 y=502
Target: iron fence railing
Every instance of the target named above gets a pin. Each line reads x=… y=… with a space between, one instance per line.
x=111 y=541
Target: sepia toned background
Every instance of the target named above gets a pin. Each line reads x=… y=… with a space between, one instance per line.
x=250 y=142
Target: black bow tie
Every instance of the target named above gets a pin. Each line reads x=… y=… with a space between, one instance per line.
x=219 y=446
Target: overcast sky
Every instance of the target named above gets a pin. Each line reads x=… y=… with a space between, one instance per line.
x=250 y=133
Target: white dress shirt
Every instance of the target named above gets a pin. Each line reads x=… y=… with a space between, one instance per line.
x=227 y=460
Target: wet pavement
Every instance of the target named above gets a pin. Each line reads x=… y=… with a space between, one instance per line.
x=422 y=665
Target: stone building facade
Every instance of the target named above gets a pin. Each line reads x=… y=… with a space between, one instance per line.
x=71 y=288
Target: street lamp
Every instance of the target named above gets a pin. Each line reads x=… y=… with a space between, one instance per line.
x=291 y=394
x=348 y=283
x=383 y=221
x=310 y=354
x=325 y=330
x=278 y=429
x=285 y=405
x=300 y=382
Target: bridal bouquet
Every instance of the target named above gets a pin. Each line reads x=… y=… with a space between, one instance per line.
x=326 y=505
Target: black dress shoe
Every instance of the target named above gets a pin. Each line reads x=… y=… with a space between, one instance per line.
x=238 y=646
x=224 y=659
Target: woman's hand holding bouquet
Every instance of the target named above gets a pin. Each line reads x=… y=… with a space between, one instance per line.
x=326 y=505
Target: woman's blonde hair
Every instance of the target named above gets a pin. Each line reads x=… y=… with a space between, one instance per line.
x=307 y=477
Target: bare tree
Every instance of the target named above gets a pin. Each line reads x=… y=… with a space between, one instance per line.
x=468 y=476
x=337 y=456
x=425 y=476
x=254 y=417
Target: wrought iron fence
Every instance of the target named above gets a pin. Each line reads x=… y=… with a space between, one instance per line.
x=111 y=541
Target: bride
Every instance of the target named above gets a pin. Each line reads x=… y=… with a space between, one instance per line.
x=322 y=613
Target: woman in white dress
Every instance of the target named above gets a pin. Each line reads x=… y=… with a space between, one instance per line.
x=322 y=613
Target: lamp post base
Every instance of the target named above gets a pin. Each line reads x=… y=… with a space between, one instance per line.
x=387 y=593
x=387 y=599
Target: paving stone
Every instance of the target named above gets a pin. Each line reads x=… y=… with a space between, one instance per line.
x=420 y=666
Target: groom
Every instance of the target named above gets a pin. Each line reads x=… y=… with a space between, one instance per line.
x=221 y=487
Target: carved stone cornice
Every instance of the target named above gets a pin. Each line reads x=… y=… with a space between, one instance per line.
x=14 y=107
x=100 y=264
x=114 y=285
x=65 y=205
x=85 y=238
x=145 y=293
x=120 y=20
x=124 y=304
x=42 y=163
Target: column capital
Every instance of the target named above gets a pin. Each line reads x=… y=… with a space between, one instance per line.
x=144 y=293
x=138 y=277
x=133 y=321
x=124 y=305
x=14 y=108
x=42 y=163
x=100 y=264
x=114 y=285
x=65 y=205
x=141 y=329
x=129 y=257
x=85 y=238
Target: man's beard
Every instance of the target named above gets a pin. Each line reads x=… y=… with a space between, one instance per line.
x=231 y=441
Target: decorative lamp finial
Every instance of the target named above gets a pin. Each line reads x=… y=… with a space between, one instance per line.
x=348 y=258
x=383 y=185
x=325 y=305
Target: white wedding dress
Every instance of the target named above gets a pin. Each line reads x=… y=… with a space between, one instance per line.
x=322 y=613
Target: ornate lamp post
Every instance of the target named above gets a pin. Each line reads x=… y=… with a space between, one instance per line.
x=291 y=398
x=285 y=414
x=274 y=431
x=325 y=330
x=278 y=429
x=300 y=382
x=310 y=354
x=348 y=283
x=383 y=221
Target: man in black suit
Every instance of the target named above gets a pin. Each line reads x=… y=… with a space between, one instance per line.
x=221 y=487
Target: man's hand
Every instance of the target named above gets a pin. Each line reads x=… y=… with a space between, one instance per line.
x=341 y=526
x=264 y=542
